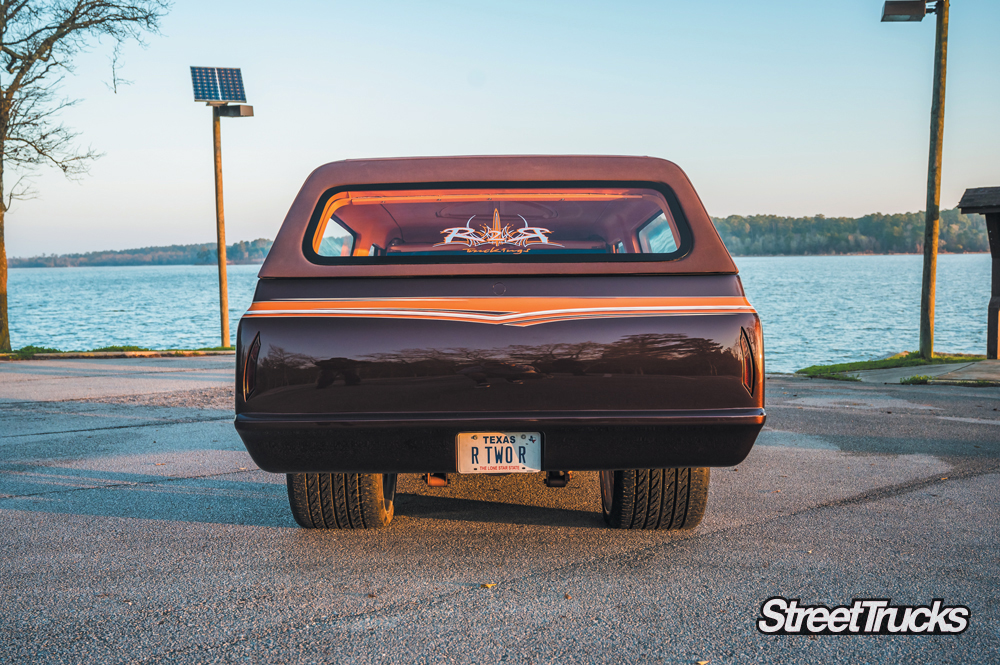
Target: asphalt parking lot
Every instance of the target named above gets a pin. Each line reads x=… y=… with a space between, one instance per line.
x=135 y=528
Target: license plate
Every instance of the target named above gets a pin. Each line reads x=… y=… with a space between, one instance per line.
x=499 y=452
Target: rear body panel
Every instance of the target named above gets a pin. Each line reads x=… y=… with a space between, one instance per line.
x=380 y=375
x=624 y=350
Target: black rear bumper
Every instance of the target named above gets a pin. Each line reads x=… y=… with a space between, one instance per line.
x=423 y=443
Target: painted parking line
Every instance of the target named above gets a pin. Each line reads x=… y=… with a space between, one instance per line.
x=975 y=421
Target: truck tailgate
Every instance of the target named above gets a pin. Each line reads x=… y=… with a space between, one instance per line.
x=432 y=353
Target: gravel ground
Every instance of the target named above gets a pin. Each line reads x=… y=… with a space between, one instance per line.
x=220 y=398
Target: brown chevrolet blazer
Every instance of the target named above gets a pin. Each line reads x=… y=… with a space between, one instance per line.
x=499 y=315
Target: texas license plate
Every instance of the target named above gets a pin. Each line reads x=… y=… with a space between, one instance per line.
x=499 y=452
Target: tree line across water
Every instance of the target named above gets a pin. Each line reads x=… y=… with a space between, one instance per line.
x=755 y=235
x=770 y=235
x=252 y=251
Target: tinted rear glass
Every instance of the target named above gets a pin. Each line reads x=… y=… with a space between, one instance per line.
x=494 y=224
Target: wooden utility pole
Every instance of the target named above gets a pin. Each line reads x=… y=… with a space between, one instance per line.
x=932 y=225
x=217 y=87
x=220 y=225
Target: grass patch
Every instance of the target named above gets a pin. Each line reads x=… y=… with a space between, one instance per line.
x=120 y=348
x=918 y=380
x=184 y=352
x=905 y=359
x=971 y=383
x=28 y=352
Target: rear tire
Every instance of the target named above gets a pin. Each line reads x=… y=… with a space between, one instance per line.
x=342 y=500
x=654 y=498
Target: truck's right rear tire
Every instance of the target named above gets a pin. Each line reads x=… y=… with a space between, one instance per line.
x=342 y=500
x=654 y=498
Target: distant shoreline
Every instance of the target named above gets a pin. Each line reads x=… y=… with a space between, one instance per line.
x=790 y=256
x=239 y=253
x=751 y=236
x=135 y=265
x=258 y=262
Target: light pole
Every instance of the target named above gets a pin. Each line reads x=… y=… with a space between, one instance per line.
x=217 y=87
x=915 y=10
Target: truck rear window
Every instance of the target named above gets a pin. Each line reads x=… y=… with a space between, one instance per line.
x=494 y=224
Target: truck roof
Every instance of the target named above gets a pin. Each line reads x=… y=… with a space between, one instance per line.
x=706 y=253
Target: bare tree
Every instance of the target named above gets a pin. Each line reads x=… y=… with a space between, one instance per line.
x=38 y=41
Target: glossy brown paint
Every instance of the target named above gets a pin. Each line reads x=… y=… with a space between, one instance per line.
x=366 y=366
x=363 y=394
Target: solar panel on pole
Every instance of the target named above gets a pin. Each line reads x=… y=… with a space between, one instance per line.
x=231 y=84
x=218 y=84
x=206 y=88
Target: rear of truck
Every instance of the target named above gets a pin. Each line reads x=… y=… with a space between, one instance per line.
x=499 y=315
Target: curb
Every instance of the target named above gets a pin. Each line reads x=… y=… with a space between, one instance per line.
x=116 y=354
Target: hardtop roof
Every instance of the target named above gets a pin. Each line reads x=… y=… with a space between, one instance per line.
x=286 y=258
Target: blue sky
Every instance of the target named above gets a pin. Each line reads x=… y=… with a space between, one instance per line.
x=787 y=107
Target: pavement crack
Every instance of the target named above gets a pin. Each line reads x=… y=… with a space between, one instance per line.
x=899 y=489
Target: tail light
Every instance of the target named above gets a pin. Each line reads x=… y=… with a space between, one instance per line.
x=749 y=364
x=250 y=368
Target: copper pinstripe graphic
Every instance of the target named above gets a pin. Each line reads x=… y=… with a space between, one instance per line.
x=513 y=311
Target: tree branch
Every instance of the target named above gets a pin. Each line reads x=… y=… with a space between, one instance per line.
x=38 y=42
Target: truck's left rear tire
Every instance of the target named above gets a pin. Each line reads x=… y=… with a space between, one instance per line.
x=654 y=498
x=342 y=500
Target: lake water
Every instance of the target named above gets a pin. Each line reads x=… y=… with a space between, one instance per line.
x=815 y=309
x=825 y=309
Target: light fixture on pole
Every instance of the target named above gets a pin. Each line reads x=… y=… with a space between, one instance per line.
x=904 y=10
x=909 y=10
x=218 y=87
